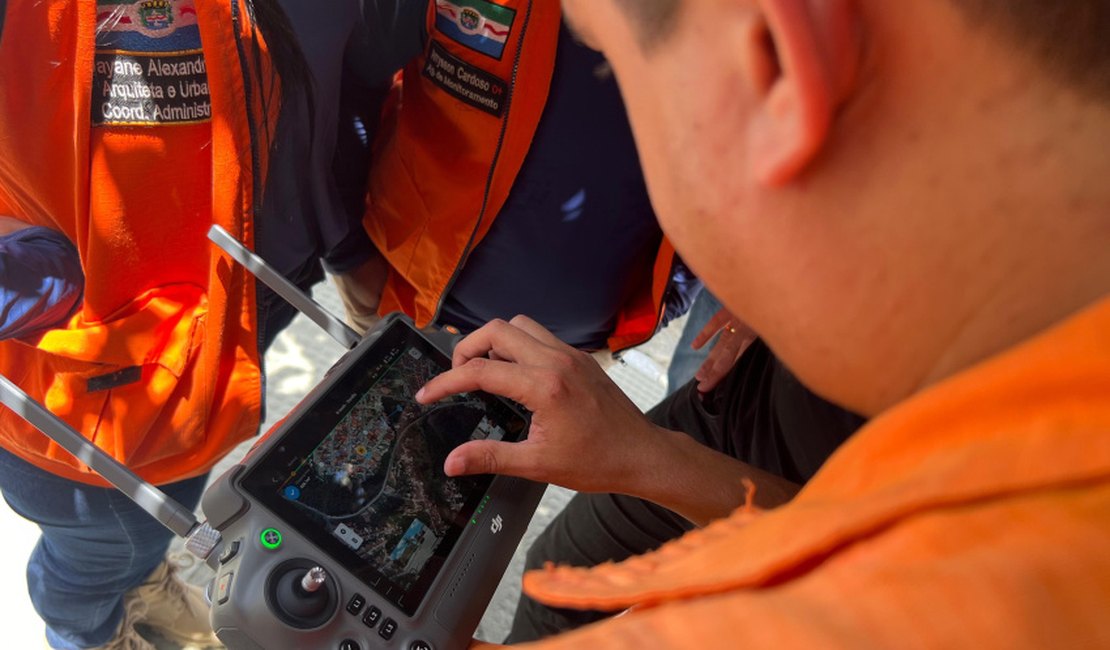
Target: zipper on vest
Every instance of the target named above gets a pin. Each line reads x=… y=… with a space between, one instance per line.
x=256 y=192
x=493 y=165
x=252 y=128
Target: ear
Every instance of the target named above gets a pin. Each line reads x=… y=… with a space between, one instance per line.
x=802 y=58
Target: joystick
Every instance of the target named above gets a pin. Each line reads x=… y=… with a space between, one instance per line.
x=301 y=594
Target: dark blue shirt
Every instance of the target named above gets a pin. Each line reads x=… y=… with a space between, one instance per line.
x=577 y=233
x=41 y=282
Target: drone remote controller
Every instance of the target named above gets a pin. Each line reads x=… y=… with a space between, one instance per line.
x=341 y=530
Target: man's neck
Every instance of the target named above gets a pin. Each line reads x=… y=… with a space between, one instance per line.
x=1050 y=255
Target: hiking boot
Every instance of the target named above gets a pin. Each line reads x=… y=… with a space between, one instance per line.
x=128 y=639
x=174 y=609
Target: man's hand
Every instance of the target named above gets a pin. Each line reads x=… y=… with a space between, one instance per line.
x=361 y=291
x=586 y=434
x=735 y=337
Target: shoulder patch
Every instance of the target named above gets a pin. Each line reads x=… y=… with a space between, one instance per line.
x=466 y=83
x=478 y=24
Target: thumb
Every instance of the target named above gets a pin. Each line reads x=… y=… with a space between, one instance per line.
x=483 y=457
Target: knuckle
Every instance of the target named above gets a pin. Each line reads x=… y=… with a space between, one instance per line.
x=489 y=461
x=566 y=362
x=553 y=387
x=477 y=364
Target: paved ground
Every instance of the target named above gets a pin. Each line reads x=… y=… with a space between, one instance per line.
x=296 y=361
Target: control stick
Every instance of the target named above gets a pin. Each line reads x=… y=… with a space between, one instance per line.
x=313 y=579
x=302 y=594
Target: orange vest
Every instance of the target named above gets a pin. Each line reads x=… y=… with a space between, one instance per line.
x=169 y=382
x=974 y=515
x=448 y=156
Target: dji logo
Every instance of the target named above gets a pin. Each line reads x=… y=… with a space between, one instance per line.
x=496 y=525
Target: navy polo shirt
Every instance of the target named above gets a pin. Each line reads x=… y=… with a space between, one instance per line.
x=41 y=283
x=577 y=233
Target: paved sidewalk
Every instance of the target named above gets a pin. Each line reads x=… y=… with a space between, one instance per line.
x=294 y=364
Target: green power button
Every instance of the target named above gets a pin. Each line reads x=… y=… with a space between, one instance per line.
x=271 y=538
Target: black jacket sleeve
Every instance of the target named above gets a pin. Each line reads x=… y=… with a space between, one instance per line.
x=395 y=33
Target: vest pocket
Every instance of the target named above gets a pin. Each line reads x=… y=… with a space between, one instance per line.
x=129 y=383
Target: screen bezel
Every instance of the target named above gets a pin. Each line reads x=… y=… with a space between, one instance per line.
x=316 y=421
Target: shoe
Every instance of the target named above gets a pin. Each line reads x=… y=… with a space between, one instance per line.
x=174 y=609
x=127 y=638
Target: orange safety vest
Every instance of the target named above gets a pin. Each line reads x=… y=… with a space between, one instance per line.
x=974 y=515
x=169 y=382
x=448 y=156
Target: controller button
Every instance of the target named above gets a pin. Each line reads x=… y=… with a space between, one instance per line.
x=356 y=604
x=420 y=645
x=229 y=552
x=270 y=538
x=373 y=615
x=223 y=588
x=349 y=644
x=388 y=628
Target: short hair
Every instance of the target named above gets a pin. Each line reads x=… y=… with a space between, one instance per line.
x=1068 y=38
x=653 y=20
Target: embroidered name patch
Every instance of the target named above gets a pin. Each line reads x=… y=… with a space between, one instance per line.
x=149 y=68
x=465 y=82
x=147 y=89
x=480 y=25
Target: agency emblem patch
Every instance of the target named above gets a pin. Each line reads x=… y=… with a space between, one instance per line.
x=478 y=24
x=156 y=14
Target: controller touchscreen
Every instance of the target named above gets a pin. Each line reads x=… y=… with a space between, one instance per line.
x=361 y=473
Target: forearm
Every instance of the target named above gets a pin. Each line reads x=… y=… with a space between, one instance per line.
x=41 y=282
x=699 y=483
x=395 y=35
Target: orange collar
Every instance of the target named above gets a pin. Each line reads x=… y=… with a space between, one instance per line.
x=1032 y=418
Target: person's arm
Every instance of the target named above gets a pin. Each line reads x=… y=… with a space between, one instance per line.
x=357 y=267
x=391 y=34
x=586 y=434
x=41 y=282
x=395 y=31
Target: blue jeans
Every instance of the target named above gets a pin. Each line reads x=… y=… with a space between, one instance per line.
x=687 y=360
x=96 y=545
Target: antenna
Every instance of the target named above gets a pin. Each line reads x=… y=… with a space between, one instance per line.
x=171 y=513
x=200 y=538
x=258 y=267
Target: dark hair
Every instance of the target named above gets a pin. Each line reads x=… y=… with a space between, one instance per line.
x=286 y=57
x=1069 y=38
x=655 y=19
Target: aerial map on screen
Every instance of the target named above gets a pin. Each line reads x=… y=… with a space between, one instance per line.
x=376 y=482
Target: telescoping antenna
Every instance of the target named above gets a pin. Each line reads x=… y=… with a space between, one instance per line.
x=334 y=327
x=200 y=538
